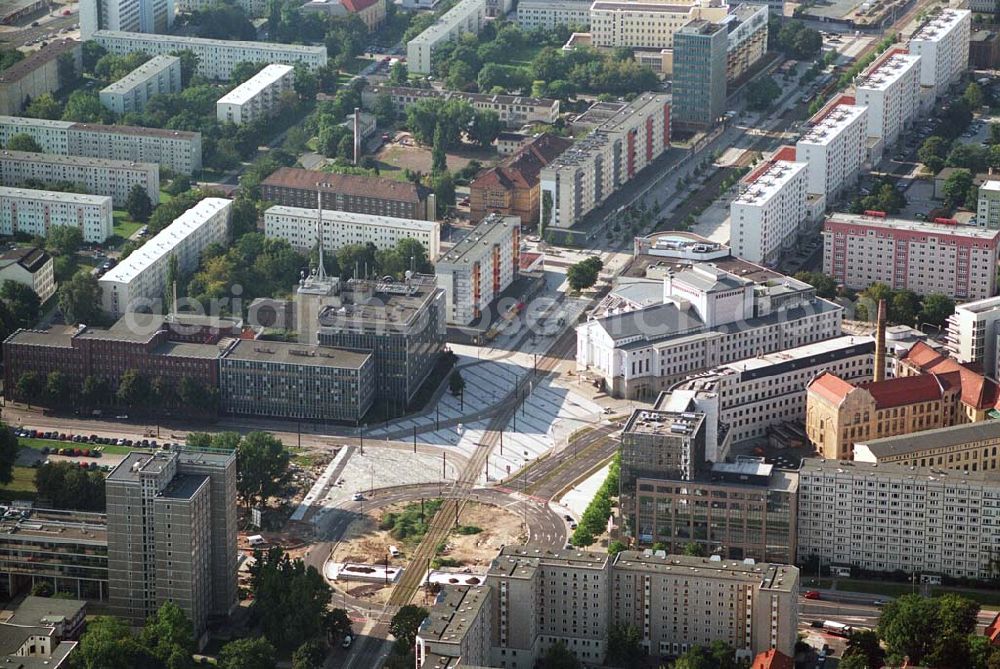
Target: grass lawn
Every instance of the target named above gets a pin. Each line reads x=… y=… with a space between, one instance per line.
x=526 y=55
x=165 y=197
x=21 y=487
x=125 y=228
x=39 y=444
x=356 y=65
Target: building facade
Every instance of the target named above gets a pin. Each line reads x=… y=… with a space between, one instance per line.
x=890 y=88
x=141 y=279
x=114 y=178
x=31 y=267
x=942 y=42
x=467 y=16
x=141 y=16
x=35 y=212
x=297 y=226
x=766 y=217
x=747 y=39
x=256 y=98
x=972 y=335
x=835 y=148
x=700 y=62
x=533 y=14
x=514 y=110
x=36 y=74
x=648 y=25
x=968 y=447
x=988 y=205
x=957 y=261
x=458 y=629
x=476 y=270
x=160 y=75
x=292 y=187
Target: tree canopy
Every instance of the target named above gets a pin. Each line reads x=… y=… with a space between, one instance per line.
x=290 y=600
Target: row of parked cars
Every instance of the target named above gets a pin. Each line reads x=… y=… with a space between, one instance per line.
x=91 y=439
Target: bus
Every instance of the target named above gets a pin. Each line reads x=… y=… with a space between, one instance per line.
x=837 y=629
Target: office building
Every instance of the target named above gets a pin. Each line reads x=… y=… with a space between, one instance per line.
x=533 y=14
x=160 y=75
x=140 y=280
x=969 y=447
x=959 y=261
x=467 y=16
x=514 y=110
x=707 y=314
x=34 y=212
x=972 y=334
x=766 y=217
x=216 y=57
x=648 y=25
x=140 y=16
x=100 y=176
x=677 y=602
x=167 y=541
x=256 y=98
x=512 y=188
x=988 y=206
x=177 y=150
x=36 y=74
x=892 y=518
x=479 y=268
x=746 y=35
x=297 y=226
x=401 y=323
x=663 y=445
x=628 y=138
x=29 y=266
x=835 y=148
x=699 y=85
x=942 y=42
x=458 y=629
x=280 y=380
x=890 y=88
x=292 y=187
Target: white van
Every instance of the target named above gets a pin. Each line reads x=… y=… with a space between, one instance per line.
x=394 y=552
x=256 y=540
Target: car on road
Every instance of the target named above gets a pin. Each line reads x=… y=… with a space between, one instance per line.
x=34 y=24
x=572 y=526
x=570 y=547
x=568 y=518
x=811 y=594
x=879 y=603
x=346 y=643
x=358 y=497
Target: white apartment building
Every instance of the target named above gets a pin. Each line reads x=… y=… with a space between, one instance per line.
x=34 y=212
x=646 y=25
x=679 y=601
x=766 y=217
x=942 y=42
x=157 y=76
x=533 y=14
x=143 y=16
x=835 y=148
x=31 y=267
x=885 y=517
x=959 y=261
x=631 y=137
x=465 y=17
x=98 y=175
x=257 y=97
x=297 y=226
x=988 y=206
x=890 y=88
x=770 y=389
x=973 y=332
x=216 y=57
x=178 y=150
x=707 y=317
x=142 y=276
x=476 y=270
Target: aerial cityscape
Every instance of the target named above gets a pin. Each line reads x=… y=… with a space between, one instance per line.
x=508 y=334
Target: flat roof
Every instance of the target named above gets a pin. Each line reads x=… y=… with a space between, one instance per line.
x=455 y=608
x=209 y=43
x=177 y=349
x=166 y=240
x=850 y=344
x=955 y=435
x=921 y=475
x=24 y=121
x=368 y=303
x=34 y=610
x=489 y=231
x=446 y=22
x=139 y=75
x=939 y=25
x=281 y=353
x=664 y=423
x=184 y=486
x=57 y=526
x=990 y=185
x=769 y=182
x=523 y=561
x=885 y=73
x=129 y=468
x=926 y=227
x=337 y=216
x=831 y=125
x=771 y=576
x=35 y=60
x=255 y=84
x=137 y=131
x=55 y=196
x=58 y=336
x=75 y=161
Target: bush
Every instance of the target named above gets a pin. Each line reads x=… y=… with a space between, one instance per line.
x=469 y=529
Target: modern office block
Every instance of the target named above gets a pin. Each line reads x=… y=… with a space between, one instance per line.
x=972 y=334
x=699 y=87
x=159 y=76
x=34 y=212
x=99 y=176
x=747 y=27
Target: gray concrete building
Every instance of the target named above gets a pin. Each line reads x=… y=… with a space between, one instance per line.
x=158 y=76
x=699 y=87
x=100 y=176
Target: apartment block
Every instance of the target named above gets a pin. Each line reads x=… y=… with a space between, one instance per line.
x=972 y=335
x=51 y=136
x=967 y=447
x=514 y=110
x=894 y=518
x=747 y=39
x=216 y=57
x=767 y=216
x=835 y=148
x=959 y=261
x=100 y=176
x=457 y=630
x=298 y=226
x=267 y=378
x=890 y=88
x=647 y=25
x=29 y=266
x=476 y=270
x=988 y=206
x=36 y=74
x=292 y=187
x=167 y=541
x=467 y=16
x=533 y=14
x=700 y=63
x=141 y=279
x=34 y=212
x=942 y=42
x=141 y=16
x=160 y=75
x=256 y=98
x=629 y=137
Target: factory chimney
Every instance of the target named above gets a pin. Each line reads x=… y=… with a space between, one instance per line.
x=880 y=343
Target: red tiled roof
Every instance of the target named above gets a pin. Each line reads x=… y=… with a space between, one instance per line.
x=522 y=169
x=977 y=390
x=356 y=6
x=904 y=390
x=830 y=387
x=993 y=631
x=772 y=659
x=348 y=184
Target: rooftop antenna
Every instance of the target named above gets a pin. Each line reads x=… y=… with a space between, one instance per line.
x=321 y=270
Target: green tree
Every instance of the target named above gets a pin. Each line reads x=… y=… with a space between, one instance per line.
x=694 y=549
x=133 y=389
x=310 y=655
x=973 y=95
x=29 y=388
x=22 y=302
x=486 y=127
x=57 y=389
x=85 y=107
x=64 y=240
x=80 y=298
x=44 y=106
x=9 y=57
x=24 y=142
x=908 y=626
x=695 y=658
x=255 y=653
x=439 y=159
x=398 y=74
x=936 y=309
x=8 y=453
x=865 y=644
x=956 y=186
x=93 y=391
x=406 y=622
x=290 y=599
x=456 y=384
x=384 y=110
x=932 y=152
x=762 y=92
x=443 y=185
x=189 y=65
x=825 y=286
x=338 y=623
x=584 y=274
x=855 y=662
x=624 y=646
x=261 y=466
x=616 y=547
x=168 y=636
x=904 y=307
x=138 y=204
x=546 y=211
x=108 y=643
x=722 y=655
x=558 y=656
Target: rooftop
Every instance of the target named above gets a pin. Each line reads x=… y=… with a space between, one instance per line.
x=184 y=486
x=80 y=161
x=56 y=526
x=769 y=576
x=24 y=121
x=833 y=123
x=925 y=227
x=491 y=230
x=140 y=74
x=769 y=182
x=136 y=462
x=138 y=131
x=904 y=390
x=938 y=25
x=815 y=353
x=337 y=216
x=664 y=423
x=522 y=169
x=916 y=475
x=977 y=390
x=522 y=561
x=279 y=353
x=454 y=610
x=446 y=21
x=830 y=387
x=346 y=184
x=367 y=303
x=887 y=71
x=35 y=60
x=956 y=435
x=42 y=610
x=31 y=258
x=210 y=43
x=255 y=84
x=463 y=95
x=56 y=336
x=55 y=196
x=627 y=5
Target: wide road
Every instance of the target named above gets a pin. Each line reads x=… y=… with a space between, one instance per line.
x=545 y=478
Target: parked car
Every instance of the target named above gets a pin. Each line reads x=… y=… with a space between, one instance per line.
x=812 y=594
